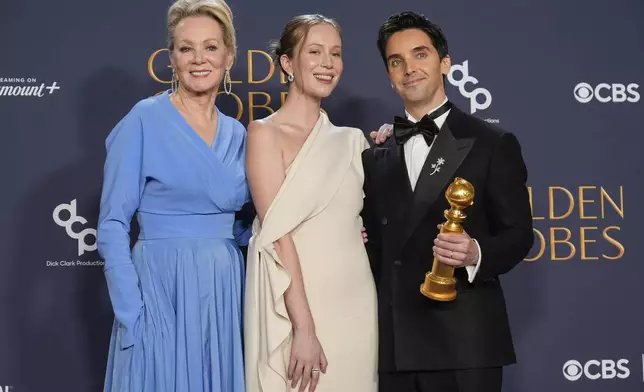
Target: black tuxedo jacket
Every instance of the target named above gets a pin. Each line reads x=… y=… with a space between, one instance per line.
x=415 y=332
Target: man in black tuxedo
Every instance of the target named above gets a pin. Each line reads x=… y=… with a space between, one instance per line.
x=426 y=345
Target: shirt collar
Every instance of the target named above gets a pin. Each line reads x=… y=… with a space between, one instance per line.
x=439 y=120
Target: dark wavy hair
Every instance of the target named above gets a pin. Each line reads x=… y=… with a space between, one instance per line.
x=411 y=20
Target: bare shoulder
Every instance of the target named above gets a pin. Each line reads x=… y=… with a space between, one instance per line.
x=263 y=132
x=262 y=128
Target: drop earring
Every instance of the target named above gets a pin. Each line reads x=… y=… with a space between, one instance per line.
x=228 y=83
x=174 y=85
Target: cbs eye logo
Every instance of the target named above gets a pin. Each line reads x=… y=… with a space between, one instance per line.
x=595 y=369
x=604 y=92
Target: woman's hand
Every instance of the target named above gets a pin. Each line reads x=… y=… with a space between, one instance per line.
x=307 y=359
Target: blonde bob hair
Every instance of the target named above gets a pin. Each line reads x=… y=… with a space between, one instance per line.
x=216 y=9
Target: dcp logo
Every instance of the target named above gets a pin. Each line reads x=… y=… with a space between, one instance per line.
x=67 y=224
x=595 y=369
x=474 y=94
x=604 y=92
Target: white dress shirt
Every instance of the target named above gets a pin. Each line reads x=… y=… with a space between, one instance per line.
x=416 y=152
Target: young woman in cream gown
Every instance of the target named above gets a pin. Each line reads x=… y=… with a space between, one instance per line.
x=310 y=304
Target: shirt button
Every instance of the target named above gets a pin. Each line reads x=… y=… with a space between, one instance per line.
x=384 y=221
x=397 y=263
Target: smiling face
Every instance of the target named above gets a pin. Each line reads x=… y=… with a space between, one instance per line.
x=415 y=68
x=317 y=62
x=199 y=56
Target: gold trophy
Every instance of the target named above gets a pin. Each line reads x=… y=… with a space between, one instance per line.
x=440 y=284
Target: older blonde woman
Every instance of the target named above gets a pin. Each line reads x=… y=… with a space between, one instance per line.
x=177 y=163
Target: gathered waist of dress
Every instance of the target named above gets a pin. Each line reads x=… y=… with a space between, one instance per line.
x=160 y=226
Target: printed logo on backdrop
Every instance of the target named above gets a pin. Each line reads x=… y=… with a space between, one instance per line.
x=596 y=369
x=6 y=388
x=479 y=97
x=607 y=92
x=27 y=87
x=581 y=222
x=66 y=216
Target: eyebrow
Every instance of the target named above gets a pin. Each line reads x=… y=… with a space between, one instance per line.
x=421 y=47
x=206 y=40
x=416 y=49
x=316 y=44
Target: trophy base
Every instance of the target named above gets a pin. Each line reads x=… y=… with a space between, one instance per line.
x=438 y=288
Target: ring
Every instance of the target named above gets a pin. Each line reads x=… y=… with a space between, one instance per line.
x=451 y=253
x=315 y=370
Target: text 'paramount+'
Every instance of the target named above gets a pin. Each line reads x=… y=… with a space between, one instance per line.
x=26 y=87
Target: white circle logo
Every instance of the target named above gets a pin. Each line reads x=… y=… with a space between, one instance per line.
x=583 y=92
x=572 y=369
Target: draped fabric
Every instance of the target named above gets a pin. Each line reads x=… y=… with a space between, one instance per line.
x=320 y=198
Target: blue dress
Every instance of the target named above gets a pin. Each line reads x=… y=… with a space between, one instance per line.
x=177 y=295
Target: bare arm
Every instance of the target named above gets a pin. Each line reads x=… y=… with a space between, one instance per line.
x=266 y=173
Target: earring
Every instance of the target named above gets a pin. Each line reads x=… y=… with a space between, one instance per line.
x=228 y=82
x=290 y=77
x=174 y=85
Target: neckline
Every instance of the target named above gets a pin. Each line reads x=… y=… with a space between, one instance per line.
x=307 y=141
x=189 y=129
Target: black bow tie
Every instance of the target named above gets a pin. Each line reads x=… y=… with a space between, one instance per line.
x=405 y=129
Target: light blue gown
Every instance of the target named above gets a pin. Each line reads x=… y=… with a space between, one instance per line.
x=177 y=295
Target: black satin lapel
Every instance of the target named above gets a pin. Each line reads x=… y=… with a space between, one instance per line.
x=394 y=185
x=401 y=169
x=445 y=157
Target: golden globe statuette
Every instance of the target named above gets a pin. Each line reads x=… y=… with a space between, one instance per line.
x=440 y=284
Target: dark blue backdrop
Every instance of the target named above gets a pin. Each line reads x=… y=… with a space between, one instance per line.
x=563 y=75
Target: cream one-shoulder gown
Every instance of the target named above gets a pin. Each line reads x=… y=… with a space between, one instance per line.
x=319 y=204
